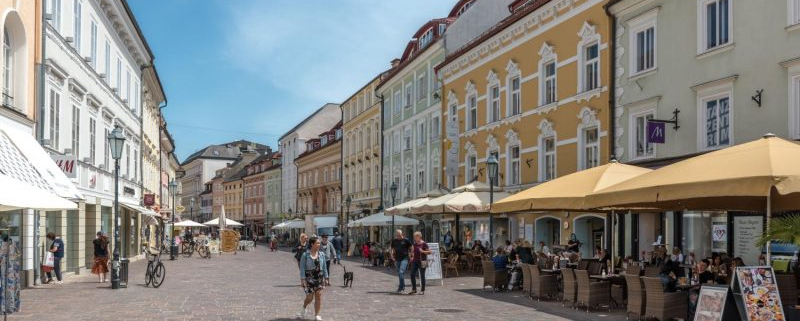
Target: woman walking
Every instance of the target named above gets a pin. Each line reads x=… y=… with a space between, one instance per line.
x=313 y=276
x=100 y=257
x=419 y=262
x=300 y=247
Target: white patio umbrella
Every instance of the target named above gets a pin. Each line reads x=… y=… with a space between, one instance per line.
x=215 y=222
x=380 y=219
x=189 y=223
x=470 y=198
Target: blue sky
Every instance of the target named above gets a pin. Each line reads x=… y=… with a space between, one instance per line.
x=253 y=68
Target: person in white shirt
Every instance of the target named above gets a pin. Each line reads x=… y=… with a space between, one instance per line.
x=544 y=249
x=677 y=256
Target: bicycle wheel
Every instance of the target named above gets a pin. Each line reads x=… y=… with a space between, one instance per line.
x=148 y=274
x=203 y=251
x=159 y=272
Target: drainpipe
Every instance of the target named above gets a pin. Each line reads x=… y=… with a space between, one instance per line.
x=612 y=92
x=382 y=147
x=40 y=136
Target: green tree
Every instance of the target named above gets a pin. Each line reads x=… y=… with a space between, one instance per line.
x=783 y=229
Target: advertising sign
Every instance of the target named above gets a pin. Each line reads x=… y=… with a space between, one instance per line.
x=746 y=231
x=149 y=199
x=656 y=132
x=434 y=270
x=451 y=166
x=67 y=163
x=757 y=294
x=719 y=236
x=712 y=303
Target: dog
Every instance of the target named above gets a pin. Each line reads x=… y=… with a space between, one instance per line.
x=348 y=277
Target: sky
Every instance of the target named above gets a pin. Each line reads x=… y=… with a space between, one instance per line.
x=252 y=69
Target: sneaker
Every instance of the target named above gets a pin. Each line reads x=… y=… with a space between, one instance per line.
x=302 y=314
x=412 y=292
x=59 y=282
x=318 y=318
x=421 y=292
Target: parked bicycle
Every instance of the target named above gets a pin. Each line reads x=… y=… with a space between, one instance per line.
x=196 y=245
x=156 y=272
x=187 y=248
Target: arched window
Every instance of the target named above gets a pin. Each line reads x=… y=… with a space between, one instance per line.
x=8 y=70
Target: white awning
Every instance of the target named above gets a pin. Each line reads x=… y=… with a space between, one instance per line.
x=228 y=222
x=380 y=219
x=293 y=224
x=28 y=176
x=137 y=208
x=325 y=221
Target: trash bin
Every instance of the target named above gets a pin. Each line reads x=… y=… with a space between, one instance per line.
x=123 y=272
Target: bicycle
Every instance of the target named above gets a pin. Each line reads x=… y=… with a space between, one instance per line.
x=202 y=249
x=187 y=248
x=156 y=272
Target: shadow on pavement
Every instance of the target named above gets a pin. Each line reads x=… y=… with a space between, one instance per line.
x=549 y=307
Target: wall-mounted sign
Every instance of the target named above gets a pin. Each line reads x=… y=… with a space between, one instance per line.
x=128 y=190
x=656 y=132
x=149 y=199
x=67 y=164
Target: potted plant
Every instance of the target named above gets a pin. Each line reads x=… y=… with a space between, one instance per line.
x=784 y=229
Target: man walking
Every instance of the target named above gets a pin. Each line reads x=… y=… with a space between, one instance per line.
x=338 y=245
x=400 y=248
x=327 y=249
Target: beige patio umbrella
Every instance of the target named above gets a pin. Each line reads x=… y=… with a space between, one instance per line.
x=568 y=193
x=760 y=175
x=406 y=208
x=470 y=198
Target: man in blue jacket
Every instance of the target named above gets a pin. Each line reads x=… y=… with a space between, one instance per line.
x=57 y=248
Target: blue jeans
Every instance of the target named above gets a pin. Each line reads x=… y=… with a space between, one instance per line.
x=401 y=274
x=416 y=268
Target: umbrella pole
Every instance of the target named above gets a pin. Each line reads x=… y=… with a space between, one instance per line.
x=769 y=215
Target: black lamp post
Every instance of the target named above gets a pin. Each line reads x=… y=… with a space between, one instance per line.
x=347 y=203
x=173 y=248
x=491 y=164
x=116 y=140
x=191 y=211
x=393 y=192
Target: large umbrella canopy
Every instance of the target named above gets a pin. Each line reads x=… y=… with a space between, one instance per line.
x=380 y=219
x=215 y=222
x=568 y=193
x=15 y=195
x=189 y=223
x=470 y=198
x=290 y=224
x=742 y=177
x=407 y=207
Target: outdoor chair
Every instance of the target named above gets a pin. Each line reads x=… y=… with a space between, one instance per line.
x=651 y=271
x=569 y=286
x=787 y=287
x=661 y=305
x=590 y=293
x=542 y=284
x=595 y=268
x=633 y=270
x=495 y=279
x=583 y=264
x=636 y=297
x=451 y=264
x=526 y=277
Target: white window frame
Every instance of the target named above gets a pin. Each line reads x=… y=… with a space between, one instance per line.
x=409 y=93
x=422 y=90
x=714 y=91
x=397 y=141
x=92 y=140
x=793 y=7
x=514 y=168
x=589 y=149
x=636 y=113
x=421 y=134
x=397 y=101
x=93 y=44
x=794 y=102
x=54 y=111
x=8 y=72
x=76 y=131
x=545 y=155
x=546 y=80
x=407 y=139
x=421 y=181
x=583 y=75
x=514 y=96
x=642 y=23
x=77 y=22
x=472 y=111
x=55 y=11
x=107 y=61
x=702 y=24
x=471 y=167
x=493 y=104
x=435 y=128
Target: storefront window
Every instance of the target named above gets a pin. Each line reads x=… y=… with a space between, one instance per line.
x=10 y=222
x=704 y=233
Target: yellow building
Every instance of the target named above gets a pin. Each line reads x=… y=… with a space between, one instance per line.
x=233 y=185
x=533 y=91
x=361 y=150
x=319 y=182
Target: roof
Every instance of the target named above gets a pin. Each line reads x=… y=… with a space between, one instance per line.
x=224 y=151
x=312 y=151
x=138 y=29
x=455 y=12
x=296 y=127
x=523 y=8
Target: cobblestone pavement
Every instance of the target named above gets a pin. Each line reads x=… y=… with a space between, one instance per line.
x=260 y=285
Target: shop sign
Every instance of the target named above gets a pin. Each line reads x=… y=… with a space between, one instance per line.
x=656 y=132
x=434 y=270
x=128 y=190
x=149 y=199
x=719 y=236
x=66 y=163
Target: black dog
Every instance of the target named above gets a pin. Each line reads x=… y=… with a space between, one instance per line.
x=348 y=278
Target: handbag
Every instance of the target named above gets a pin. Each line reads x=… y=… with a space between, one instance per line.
x=49 y=262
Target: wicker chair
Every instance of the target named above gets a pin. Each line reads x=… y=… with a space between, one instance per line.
x=664 y=306
x=526 y=277
x=633 y=270
x=542 y=285
x=787 y=287
x=651 y=271
x=636 y=297
x=592 y=293
x=451 y=264
x=583 y=264
x=495 y=279
x=569 y=286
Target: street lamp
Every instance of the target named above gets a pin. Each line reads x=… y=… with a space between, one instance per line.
x=393 y=192
x=491 y=163
x=191 y=211
x=116 y=140
x=173 y=248
x=347 y=203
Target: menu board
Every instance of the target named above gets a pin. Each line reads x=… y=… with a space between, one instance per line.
x=746 y=231
x=529 y=232
x=759 y=297
x=711 y=303
x=434 y=270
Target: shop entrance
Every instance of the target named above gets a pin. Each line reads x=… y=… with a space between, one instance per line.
x=548 y=230
x=590 y=231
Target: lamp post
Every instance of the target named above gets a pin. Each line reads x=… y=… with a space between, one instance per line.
x=116 y=140
x=191 y=211
x=491 y=164
x=393 y=192
x=173 y=248
x=347 y=203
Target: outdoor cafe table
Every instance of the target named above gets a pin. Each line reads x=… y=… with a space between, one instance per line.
x=614 y=279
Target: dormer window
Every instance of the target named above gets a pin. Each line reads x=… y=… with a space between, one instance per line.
x=426 y=38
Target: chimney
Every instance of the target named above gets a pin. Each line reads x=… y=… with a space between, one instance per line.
x=395 y=62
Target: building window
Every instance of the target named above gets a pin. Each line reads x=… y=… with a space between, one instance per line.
x=128 y=87
x=93 y=44
x=77 y=25
x=367 y=180
x=421 y=181
x=591 y=67
x=407 y=139
x=107 y=150
x=107 y=61
x=421 y=134
x=8 y=71
x=515 y=101
x=472 y=115
x=92 y=140
x=715 y=23
x=396 y=142
x=55 y=119
x=591 y=148
x=398 y=96
x=407 y=185
x=717 y=121
x=426 y=38
x=641 y=148
x=76 y=131
x=643 y=42
x=514 y=170
x=435 y=132
x=435 y=176
x=549 y=83
x=472 y=168
x=794 y=12
x=494 y=103
x=128 y=161
x=794 y=101
x=422 y=89
x=135 y=177
x=549 y=161
x=409 y=94
x=119 y=76
x=55 y=12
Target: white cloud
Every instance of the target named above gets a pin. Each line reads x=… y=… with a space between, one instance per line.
x=322 y=50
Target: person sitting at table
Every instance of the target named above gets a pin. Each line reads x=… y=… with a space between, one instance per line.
x=458 y=248
x=525 y=253
x=677 y=256
x=573 y=245
x=668 y=273
x=543 y=249
x=509 y=247
x=691 y=259
x=702 y=274
x=720 y=269
x=477 y=247
x=500 y=259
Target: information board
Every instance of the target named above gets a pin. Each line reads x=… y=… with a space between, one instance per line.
x=434 y=270
x=746 y=231
x=714 y=303
x=757 y=294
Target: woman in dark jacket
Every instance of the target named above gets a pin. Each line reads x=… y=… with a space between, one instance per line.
x=525 y=253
